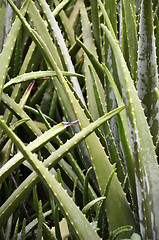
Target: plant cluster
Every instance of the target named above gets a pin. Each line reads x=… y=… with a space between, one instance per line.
x=79 y=119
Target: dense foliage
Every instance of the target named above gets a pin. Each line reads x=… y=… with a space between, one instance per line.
x=79 y=119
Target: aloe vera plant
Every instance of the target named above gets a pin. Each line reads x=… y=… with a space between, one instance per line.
x=82 y=123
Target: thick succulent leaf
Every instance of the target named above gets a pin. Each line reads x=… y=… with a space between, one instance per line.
x=109 y=9
x=6 y=54
x=48 y=50
x=60 y=6
x=14 y=162
x=71 y=211
x=111 y=146
x=68 y=23
x=96 y=152
x=96 y=27
x=123 y=35
x=131 y=34
x=89 y=43
x=147 y=68
x=103 y=171
x=43 y=32
x=60 y=41
x=146 y=167
x=90 y=204
x=119 y=231
x=36 y=75
x=2 y=20
x=8 y=207
x=106 y=17
x=97 y=66
x=125 y=138
x=156 y=23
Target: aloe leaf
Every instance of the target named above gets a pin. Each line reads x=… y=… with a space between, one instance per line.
x=111 y=146
x=72 y=162
x=119 y=231
x=106 y=18
x=6 y=54
x=123 y=35
x=59 y=177
x=14 y=162
x=17 y=54
x=109 y=9
x=156 y=23
x=23 y=236
x=8 y=227
x=76 y=218
x=125 y=137
x=58 y=35
x=109 y=183
x=101 y=171
x=43 y=32
x=16 y=230
x=68 y=24
x=97 y=66
x=45 y=45
x=59 y=8
x=31 y=225
x=36 y=75
x=90 y=204
x=2 y=20
x=101 y=210
x=142 y=147
x=40 y=221
x=131 y=34
x=89 y=43
x=74 y=189
x=26 y=94
x=96 y=27
x=98 y=132
x=85 y=189
x=47 y=233
x=15 y=199
x=57 y=226
x=35 y=198
x=2 y=234
x=147 y=68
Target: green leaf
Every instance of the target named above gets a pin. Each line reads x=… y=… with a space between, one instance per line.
x=33 y=146
x=60 y=41
x=15 y=199
x=76 y=218
x=6 y=54
x=119 y=231
x=131 y=34
x=37 y=75
x=23 y=229
x=40 y=221
x=147 y=68
x=142 y=147
x=16 y=230
x=85 y=189
x=124 y=137
x=48 y=233
x=35 y=198
x=90 y=204
x=89 y=43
